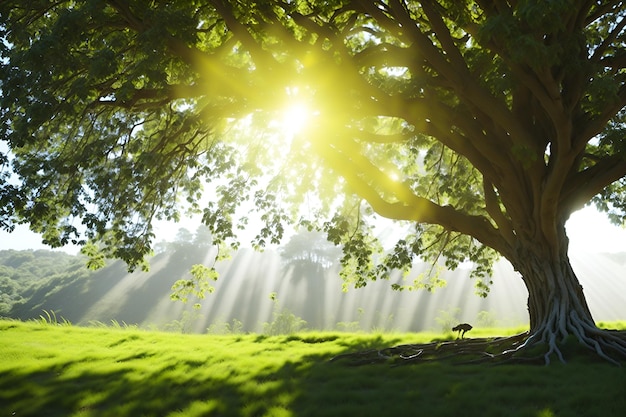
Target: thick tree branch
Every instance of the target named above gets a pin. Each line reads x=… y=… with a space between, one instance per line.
x=324 y=32
x=262 y=58
x=379 y=138
x=410 y=207
x=578 y=20
x=467 y=86
x=123 y=8
x=601 y=9
x=442 y=32
x=615 y=62
x=424 y=46
x=589 y=182
x=492 y=205
x=589 y=127
x=601 y=50
x=432 y=117
x=381 y=15
x=155 y=97
x=384 y=55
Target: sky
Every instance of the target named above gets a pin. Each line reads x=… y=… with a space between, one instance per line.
x=589 y=231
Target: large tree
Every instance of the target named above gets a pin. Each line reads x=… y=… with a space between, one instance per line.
x=483 y=123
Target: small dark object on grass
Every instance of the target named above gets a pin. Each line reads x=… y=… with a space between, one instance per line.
x=463 y=327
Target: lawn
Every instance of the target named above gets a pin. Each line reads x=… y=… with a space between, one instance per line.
x=57 y=370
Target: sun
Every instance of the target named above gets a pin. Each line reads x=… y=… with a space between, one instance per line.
x=295 y=113
x=294 y=119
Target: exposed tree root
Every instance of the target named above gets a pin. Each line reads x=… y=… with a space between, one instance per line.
x=537 y=348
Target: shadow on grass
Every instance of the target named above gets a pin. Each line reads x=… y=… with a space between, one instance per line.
x=311 y=386
x=113 y=393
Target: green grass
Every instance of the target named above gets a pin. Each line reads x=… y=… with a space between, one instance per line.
x=52 y=370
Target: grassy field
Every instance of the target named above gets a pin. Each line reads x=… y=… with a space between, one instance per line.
x=55 y=370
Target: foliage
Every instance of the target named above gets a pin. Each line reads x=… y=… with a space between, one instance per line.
x=198 y=285
x=121 y=125
x=95 y=259
x=126 y=105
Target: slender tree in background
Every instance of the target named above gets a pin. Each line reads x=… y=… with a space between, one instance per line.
x=483 y=123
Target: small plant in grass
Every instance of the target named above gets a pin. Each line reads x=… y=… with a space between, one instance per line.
x=446 y=319
x=97 y=323
x=113 y=324
x=50 y=317
x=348 y=326
x=383 y=324
x=235 y=326
x=123 y=325
x=486 y=319
x=351 y=326
x=185 y=324
x=284 y=322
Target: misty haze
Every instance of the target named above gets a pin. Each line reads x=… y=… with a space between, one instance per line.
x=304 y=276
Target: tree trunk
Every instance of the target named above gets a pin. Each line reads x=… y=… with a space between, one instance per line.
x=556 y=303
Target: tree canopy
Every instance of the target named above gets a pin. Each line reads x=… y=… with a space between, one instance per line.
x=484 y=124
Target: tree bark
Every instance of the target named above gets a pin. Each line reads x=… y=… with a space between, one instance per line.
x=557 y=306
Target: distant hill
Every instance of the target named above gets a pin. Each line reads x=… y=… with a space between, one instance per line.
x=21 y=271
x=309 y=287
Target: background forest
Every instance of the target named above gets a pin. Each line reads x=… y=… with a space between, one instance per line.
x=293 y=287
